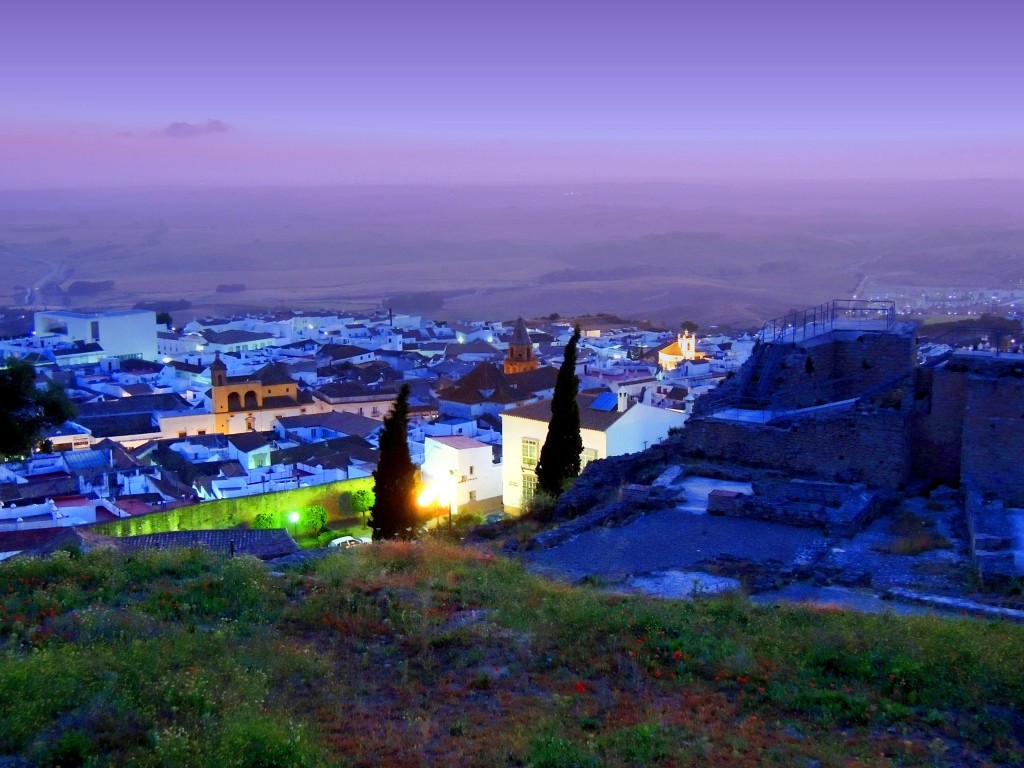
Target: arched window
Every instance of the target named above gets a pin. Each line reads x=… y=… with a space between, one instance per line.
x=234 y=402
x=250 y=400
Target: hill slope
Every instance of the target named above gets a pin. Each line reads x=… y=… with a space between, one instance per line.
x=406 y=654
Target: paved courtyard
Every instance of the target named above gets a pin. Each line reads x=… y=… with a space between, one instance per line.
x=676 y=539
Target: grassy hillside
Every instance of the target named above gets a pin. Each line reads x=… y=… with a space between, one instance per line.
x=406 y=655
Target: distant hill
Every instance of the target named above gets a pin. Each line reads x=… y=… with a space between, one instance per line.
x=713 y=253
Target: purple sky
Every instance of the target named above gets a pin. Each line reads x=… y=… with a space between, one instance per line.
x=338 y=92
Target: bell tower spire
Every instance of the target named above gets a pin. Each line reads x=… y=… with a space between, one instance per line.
x=520 y=351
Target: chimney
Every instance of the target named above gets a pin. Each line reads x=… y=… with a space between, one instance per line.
x=623 y=400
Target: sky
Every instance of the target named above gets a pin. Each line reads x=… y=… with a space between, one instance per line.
x=112 y=93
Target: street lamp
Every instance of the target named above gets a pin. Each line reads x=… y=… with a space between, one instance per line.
x=293 y=518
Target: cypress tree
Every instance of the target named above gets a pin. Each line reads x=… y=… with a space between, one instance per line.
x=560 y=456
x=394 y=507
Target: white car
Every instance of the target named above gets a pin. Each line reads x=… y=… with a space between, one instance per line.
x=344 y=541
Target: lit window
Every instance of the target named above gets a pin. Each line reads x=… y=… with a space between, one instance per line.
x=588 y=455
x=531 y=451
x=529 y=486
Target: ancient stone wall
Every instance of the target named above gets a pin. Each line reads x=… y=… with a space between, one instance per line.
x=870 y=448
x=839 y=509
x=938 y=425
x=993 y=435
x=841 y=368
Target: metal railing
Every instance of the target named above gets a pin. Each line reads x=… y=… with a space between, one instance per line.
x=838 y=314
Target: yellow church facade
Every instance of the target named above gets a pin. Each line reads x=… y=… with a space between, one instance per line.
x=679 y=351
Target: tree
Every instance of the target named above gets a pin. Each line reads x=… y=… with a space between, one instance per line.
x=362 y=501
x=689 y=326
x=394 y=481
x=26 y=410
x=560 y=456
x=316 y=519
x=164 y=318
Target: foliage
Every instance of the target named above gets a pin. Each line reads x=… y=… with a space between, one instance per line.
x=362 y=501
x=315 y=518
x=394 y=481
x=163 y=317
x=560 y=455
x=264 y=520
x=916 y=534
x=540 y=506
x=410 y=654
x=689 y=326
x=25 y=410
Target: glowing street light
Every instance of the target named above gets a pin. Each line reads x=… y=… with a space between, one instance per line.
x=293 y=518
x=437 y=494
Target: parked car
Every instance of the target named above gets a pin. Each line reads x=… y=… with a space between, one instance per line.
x=344 y=541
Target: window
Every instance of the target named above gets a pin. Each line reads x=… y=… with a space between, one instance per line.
x=588 y=455
x=529 y=486
x=471 y=472
x=201 y=432
x=472 y=495
x=182 y=434
x=531 y=451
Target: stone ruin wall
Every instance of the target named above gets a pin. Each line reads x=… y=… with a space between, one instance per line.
x=993 y=438
x=870 y=448
x=938 y=426
x=843 y=367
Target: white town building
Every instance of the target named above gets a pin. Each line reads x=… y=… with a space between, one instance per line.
x=610 y=424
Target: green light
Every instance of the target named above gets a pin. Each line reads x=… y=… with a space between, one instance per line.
x=293 y=517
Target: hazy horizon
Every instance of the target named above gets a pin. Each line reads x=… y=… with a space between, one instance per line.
x=665 y=252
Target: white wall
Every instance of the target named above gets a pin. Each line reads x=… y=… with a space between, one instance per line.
x=514 y=430
x=130 y=333
x=475 y=473
x=641 y=427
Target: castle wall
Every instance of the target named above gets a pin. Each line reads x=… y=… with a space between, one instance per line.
x=993 y=436
x=870 y=448
x=938 y=426
x=841 y=368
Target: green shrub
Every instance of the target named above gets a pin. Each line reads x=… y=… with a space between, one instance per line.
x=315 y=518
x=540 y=506
x=361 y=501
x=555 y=752
x=644 y=744
x=264 y=520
